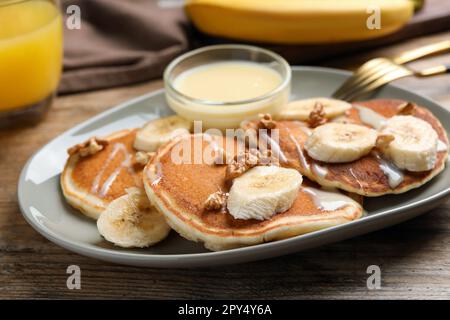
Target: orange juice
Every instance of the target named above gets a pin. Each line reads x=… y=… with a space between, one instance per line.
x=30 y=52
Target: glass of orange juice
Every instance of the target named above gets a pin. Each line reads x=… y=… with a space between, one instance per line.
x=30 y=58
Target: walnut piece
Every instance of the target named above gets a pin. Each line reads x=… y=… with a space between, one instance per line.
x=144 y=157
x=216 y=201
x=235 y=169
x=407 y=109
x=249 y=157
x=88 y=148
x=266 y=121
x=247 y=160
x=317 y=116
x=383 y=141
x=241 y=163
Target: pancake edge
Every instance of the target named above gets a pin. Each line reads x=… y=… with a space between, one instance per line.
x=89 y=205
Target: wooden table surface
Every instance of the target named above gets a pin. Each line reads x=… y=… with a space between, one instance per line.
x=414 y=257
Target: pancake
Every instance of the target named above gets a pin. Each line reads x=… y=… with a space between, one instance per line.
x=91 y=182
x=370 y=175
x=180 y=189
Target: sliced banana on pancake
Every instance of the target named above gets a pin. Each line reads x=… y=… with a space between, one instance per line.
x=130 y=221
x=263 y=191
x=192 y=198
x=339 y=142
x=301 y=109
x=414 y=143
x=374 y=174
x=159 y=131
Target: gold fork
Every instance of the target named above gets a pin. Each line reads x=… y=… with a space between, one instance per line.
x=390 y=72
x=379 y=71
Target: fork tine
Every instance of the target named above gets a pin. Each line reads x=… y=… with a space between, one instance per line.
x=371 y=75
x=379 y=71
x=361 y=71
x=368 y=80
x=398 y=73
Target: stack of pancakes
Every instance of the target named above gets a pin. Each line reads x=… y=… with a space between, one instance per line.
x=94 y=181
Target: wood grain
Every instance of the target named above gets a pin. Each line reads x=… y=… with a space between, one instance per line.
x=414 y=257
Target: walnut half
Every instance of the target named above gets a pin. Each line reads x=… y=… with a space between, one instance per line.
x=249 y=159
x=317 y=116
x=383 y=141
x=241 y=163
x=266 y=121
x=216 y=201
x=89 y=147
x=407 y=109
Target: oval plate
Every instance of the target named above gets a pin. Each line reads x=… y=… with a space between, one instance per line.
x=44 y=207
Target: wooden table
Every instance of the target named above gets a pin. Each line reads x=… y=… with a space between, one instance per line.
x=414 y=257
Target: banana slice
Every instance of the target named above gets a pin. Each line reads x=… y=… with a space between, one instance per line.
x=339 y=142
x=263 y=191
x=159 y=131
x=130 y=221
x=300 y=109
x=415 y=142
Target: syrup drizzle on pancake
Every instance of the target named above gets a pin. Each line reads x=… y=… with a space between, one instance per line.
x=274 y=146
x=370 y=117
x=356 y=179
x=303 y=161
x=304 y=127
x=158 y=174
x=319 y=170
x=327 y=200
x=395 y=175
x=305 y=164
x=126 y=163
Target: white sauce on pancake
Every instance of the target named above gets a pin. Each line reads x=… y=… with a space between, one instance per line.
x=158 y=174
x=395 y=175
x=356 y=179
x=320 y=171
x=441 y=146
x=329 y=201
x=303 y=161
x=370 y=117
x=304 y=127
x=274 y=146
x=126 y=163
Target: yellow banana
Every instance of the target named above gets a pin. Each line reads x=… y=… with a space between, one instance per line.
x=298 y=21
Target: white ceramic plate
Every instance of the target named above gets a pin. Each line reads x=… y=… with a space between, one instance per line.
x=43 y=205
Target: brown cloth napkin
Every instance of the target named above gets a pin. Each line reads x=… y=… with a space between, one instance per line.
x=120 y=42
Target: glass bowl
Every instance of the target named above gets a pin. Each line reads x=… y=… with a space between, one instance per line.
x=224 y=115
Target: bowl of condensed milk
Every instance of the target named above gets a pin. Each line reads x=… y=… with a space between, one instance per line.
x=222 y=85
